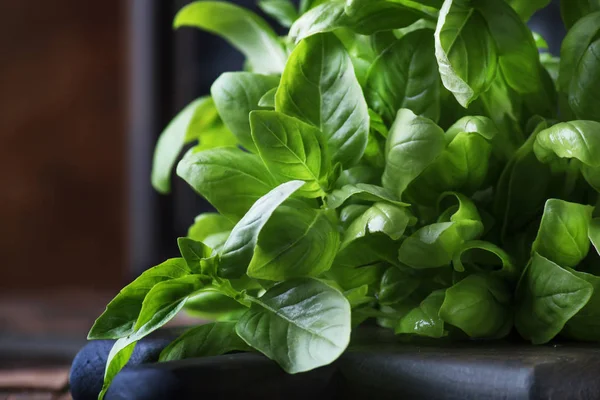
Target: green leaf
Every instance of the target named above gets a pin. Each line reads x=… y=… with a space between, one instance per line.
x=405 y=76
x=359 y=174
x=283 y=11
x=160 y=305
x=268 y=99
x=204 y=341
x=575 y=139
x=526 y=8
x=573 y=10
x=122 y=312
x=171 y=142
x=295 y=242
x=212 y=229
x=350 y=213
x=579 y=75
x=465 y=51
x=215 y=306
x=237 y=251
x=473 y=124
x=424 y=319
x=291 y=150
x=462 y=166
x=302 y=324
x=479 y=305
x=547 y=297
x=230 y=179
x=435 y=245
x=236 y=94
x=585 y=325
x=358 y=296
x=245 y=30
x=362 y=191
x=563 y=234
x=319 y=87
x=364 y=17
x=397 y=285
x=413 y=143
x=540 y=42
x=193 y=252
x=381 y=217
x=594 y=233
x=483 y=257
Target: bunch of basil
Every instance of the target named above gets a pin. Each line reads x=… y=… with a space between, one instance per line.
x=414 y=161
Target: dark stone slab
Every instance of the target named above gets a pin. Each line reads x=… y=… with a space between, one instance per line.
x=385 y=370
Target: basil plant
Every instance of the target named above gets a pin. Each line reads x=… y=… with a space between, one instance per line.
x=422 y=164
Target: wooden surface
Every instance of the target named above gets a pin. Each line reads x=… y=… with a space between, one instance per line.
x=62 y=143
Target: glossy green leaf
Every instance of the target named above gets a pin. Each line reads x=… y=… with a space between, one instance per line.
x=302 y=324
x=381 y=217
x=397 y=285
x=526 y=8
x=295 y=242
x=118 y=357
x=229 y=178
x=283 y=11
x=362 y=191
x=358 y=296
x=268 y=99
x=563 y=234
x=479 y=305
x=465 y=51
x=359 y=174
x=122 y=312
x=573 y=10
x=547 y=297
x=210 y=228
x=237 y=251
x=193 y=252
x=319 y=87
x=575 y=139
x=204 y=341
x=594 y=233
x=236 y=94
x=414 y=142
x=481 y=256
x=405 y=76
x=245 y=30
x=171 y=142
x=585 y=325
x=424 y=320
x=291 y=150
x=482 y=125
x=579 y=75
x=214 y=306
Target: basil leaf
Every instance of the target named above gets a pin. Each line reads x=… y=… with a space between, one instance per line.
x=160 y=305
x=171 y=142
x=381 y=217
x=575 y=139
x=563 y=234
x=362 y=191
x=473 y=124
x=424 y=320
x=481 y=255
x=245 y=30
x=580 y=69
x=302 y=324
x=230 y=179
x=209 y=228
x=405 y=76
x=214 y=306
x=547 y=297
x=594 y=233
x=122 y=312
x=585 y=325
x=236 y=94
x=479 y=305
x=193 y=252
x=237 y=251
x=573 y=10
x=465 y=51
x=291 y=150
x=526 y=8
x=295 y=242
x=204 y=341
x=283 y=11
x=413 y=143
x=268 y=99
x=397 y=285
x=319 y=87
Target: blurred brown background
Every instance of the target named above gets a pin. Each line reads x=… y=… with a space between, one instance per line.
x=62 y=144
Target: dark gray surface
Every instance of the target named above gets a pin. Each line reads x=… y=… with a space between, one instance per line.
x=387 y=370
